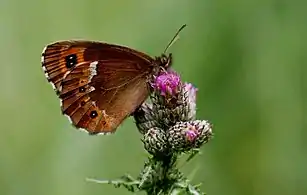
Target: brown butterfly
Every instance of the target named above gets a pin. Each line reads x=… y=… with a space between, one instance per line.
x=100 y=84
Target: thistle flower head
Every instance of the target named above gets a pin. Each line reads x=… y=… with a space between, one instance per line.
x=167 y=83
x=172 y=101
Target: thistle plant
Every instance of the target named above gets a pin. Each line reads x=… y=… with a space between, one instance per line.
x=169 y=129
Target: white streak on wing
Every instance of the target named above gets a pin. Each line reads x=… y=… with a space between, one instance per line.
x=53 y=86
x=60 y=88
x=44 y=68
x=66 y=74
x=94 y=103
x=93 y=70
x=46 y=74
x=42 y=61
x=68 y=118
x=92 y=89
x=42 y=58
x=64 y=77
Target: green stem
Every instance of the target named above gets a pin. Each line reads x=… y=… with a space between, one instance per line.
x=165 y=174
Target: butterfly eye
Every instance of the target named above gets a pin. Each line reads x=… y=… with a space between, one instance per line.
x=71 y=60
x=93 y=114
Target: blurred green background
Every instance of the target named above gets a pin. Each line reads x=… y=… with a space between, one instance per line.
x=248 y=59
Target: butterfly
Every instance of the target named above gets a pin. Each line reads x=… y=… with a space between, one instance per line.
x=100 y=84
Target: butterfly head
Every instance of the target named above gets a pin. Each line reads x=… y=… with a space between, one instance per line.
x=164 y=61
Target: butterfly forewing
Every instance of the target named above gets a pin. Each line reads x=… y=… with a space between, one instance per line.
x=60 y=57
x=99 y=84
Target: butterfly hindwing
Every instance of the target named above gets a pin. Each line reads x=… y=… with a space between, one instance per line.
x=112 y=96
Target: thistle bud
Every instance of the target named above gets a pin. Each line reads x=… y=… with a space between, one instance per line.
x=144 y=118
x=155 y=141
x=187 y=135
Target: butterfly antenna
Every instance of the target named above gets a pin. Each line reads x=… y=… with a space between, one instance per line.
x=175 y=38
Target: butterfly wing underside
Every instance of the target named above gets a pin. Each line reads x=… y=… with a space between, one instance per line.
x=99 y=84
